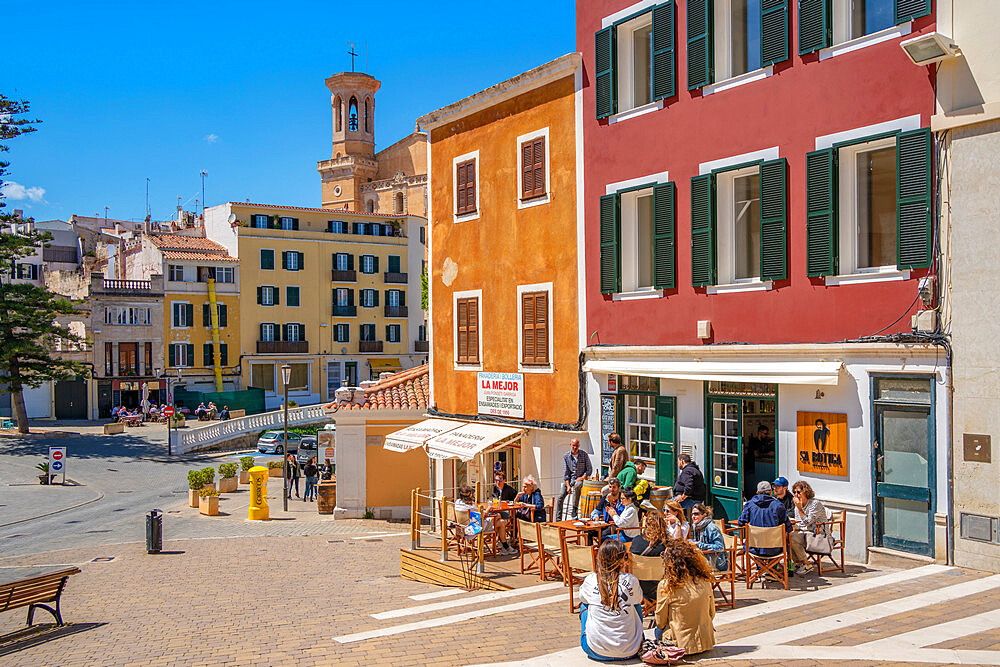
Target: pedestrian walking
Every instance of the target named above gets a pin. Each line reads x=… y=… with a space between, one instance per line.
x=312 y=478
x=292 y=475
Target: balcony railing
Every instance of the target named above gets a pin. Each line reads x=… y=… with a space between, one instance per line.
x=345 y=276
x=282 y=346
x=126 y=285
x=420 y=346
x=395 y=311
x=395 y=278
x=344 y=311
x=370 y=346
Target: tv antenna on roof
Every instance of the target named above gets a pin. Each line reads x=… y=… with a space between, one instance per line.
x=352 y=54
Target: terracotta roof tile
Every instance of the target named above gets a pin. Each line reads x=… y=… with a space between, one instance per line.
x=177 y=242
x=405 y=390
x=202 y=256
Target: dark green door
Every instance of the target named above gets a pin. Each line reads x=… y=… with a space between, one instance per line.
x=666 y=440
x=725 y=443
x=903 y=460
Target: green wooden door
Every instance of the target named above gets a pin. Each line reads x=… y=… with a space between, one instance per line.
x=725 y=447
x=666 y=440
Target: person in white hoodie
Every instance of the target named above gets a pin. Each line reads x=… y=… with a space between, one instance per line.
x=626 y=521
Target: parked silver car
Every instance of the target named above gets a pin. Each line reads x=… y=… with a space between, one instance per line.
x=273 y=442
x=307 y=450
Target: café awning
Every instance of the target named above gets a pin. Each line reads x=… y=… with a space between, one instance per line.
x=385 y=364
x=417 y=434
x=470 y=439
x=775 y=372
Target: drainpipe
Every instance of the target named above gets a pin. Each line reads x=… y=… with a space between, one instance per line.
x=213 y=310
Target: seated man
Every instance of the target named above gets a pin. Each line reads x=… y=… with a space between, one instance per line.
x=224 y=415
x=765 y=511
x=212 y=410
x=200 y=411
x=115 y=411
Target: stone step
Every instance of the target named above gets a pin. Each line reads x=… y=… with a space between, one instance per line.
x=882 y=557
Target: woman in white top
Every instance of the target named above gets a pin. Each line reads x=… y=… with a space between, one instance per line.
x=611 y=614
x=466 y=502
x=627 y=521
x=677 y=524
x=809 y=517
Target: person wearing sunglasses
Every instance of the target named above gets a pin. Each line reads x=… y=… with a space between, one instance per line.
x=809 y=515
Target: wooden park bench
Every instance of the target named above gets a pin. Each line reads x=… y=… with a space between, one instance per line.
x=35 y=592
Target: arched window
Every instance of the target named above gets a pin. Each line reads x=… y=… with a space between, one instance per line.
x=367 y=126
x=371 y=205
x=338 y=114
x=352 y=115
x=399 y=202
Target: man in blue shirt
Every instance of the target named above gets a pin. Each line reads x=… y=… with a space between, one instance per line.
x=576 y=468
x=765 y=511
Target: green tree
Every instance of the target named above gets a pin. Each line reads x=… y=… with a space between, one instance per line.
x=423 y=288
x=28 y=328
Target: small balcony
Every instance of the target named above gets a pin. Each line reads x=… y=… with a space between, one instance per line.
x=395 y=311
x=370 y=346
x=420 y=346
x=345 y=276
x=344 y=311
x=282 y=346
x=395 y=278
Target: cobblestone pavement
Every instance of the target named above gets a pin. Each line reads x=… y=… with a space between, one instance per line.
x=338 y=599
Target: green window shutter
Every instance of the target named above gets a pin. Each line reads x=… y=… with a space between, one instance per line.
x=207 y=354
x=259 y=291
x=224 y=353
x=295 y=224
x=206 y=315
x=821 y=213
x=284 y=259
x=174 y=317
x=703 y=230
x=276 y=295
x=189 y=313
x=773 y=32
x=284 y=334
x=610 y=272
x=350 y=262
x=375 y=298
x=172 y=354
x=604 y=71
x=302 y=256
x=350 y=297
x=664 y=53
x=664 y=268
x=223 y=316
x=292 y=296
x=375 y=264
x=774 y=220
x=815 y=26
x=913 y=199
x=700 y=51
x=267 y=259
x=907 y=10
x=402 y=298
x=190 y=354
x=393 y=263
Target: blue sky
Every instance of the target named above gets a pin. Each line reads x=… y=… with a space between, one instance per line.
x=164 y=90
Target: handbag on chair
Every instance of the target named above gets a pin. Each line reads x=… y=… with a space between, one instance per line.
x=818 y=543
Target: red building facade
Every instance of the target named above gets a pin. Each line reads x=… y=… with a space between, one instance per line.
x=759 y=217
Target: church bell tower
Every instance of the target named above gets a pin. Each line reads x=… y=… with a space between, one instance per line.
x=352 y=162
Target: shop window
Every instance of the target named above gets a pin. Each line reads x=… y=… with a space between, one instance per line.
x=262 y=376
x=299 y=377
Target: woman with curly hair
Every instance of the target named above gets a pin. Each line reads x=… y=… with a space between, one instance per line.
x=651 y=541
x=685 y=605
x=611 y=613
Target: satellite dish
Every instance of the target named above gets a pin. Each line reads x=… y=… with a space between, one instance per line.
x=232 y=218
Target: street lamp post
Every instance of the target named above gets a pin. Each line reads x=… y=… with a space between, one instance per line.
x=286 y=374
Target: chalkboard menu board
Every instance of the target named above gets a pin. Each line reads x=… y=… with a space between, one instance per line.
x=609 y=423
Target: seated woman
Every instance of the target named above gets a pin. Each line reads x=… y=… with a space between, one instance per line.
x=685 y=605
x=626 y=522
x=502 y=492
x=677 y=524
x=708 y=537
x=651 y=541
x=466 y=502
x=611 y=611
x=809 y=513
x=531 y=495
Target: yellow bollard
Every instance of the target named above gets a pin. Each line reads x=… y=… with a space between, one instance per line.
x=258 y=494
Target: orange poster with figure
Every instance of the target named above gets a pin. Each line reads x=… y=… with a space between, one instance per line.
x=822 y=443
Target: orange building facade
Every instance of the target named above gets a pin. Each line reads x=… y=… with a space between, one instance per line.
x=505 y=290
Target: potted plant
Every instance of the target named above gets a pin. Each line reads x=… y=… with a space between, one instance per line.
x=177 y=421
x=208 y=478
x=44 y=477
x=246 y=462
x=209 y=502
x=274 y=468
x=227 y=478
x=196 y=479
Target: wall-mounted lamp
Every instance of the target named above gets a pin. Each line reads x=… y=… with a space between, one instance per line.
x=819 y=394
x=930 y=48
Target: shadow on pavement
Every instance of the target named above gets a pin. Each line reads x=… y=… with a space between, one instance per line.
x=41 y=633
x=86 y=446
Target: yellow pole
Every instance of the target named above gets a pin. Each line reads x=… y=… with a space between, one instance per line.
x=415 y=518
x=444 y=529
x=216 y=346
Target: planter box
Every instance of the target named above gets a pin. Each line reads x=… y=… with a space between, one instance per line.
x=274 y=472
x=233 y=414
x=111 y=429
x=193 y=498
x=208 y=486
x=228 y=484
x=209 y=506
x=244 y=477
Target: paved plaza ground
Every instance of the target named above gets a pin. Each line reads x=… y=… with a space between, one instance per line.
x=303 y=589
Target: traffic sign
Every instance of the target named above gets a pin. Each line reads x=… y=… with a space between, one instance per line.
x=57 y=454
x=168 y=411
x=57 y=465
x=57 y=461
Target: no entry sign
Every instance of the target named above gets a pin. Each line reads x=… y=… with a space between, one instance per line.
x=168 y=412
x=57 y=461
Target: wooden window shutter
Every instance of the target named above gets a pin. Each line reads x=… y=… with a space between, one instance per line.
x=527 y=170
x=907 y=10
x=538 y=166
x=470 y=189
x=295 y=222
x=664 y=223
x=773 y=220
x=528 y=328
x=206 y=315
x=664 y=53
x=913 y=199
x=703 y=230
x=171 y=352
x=190 y=354
x=350 y=262
x=460 y=188
x=189 y=314
x=222 y=316
x=610 y=272
x=604 y=71
x=284 y=259
x=534 y=329
x=773 y=32
x=473 y=329
x=815 y=26
x=207 y=354
x=700 y=53
x=463 y=330
x=259 y=295
x=224 y=351
x=821 y=213
x=276 y=295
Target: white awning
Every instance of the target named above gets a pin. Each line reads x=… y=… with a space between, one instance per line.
x=470 y=439
x=417 y=434
x=776 y=372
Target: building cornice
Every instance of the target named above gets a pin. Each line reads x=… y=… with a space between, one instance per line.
x=820 y=351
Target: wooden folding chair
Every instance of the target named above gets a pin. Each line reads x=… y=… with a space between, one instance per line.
x=738 y=535
x=454 y=527
x=760 y=567
x=647 y=568
x=549 y=550
x=834 y=526
x=578 y=562
x=527 y=540
x=721 y=579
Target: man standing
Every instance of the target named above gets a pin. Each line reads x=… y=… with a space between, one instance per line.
x=689 y=489
x=576 y=468
x=780 y=488
x=619 y=456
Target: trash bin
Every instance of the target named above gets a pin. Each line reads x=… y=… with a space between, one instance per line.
x=154 y=531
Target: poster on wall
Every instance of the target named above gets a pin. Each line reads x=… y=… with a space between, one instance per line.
x=822 y=443
x=609 y=421
x=501 y=394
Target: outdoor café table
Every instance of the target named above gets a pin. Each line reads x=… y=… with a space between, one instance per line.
x=506 y=506
x=569 y=526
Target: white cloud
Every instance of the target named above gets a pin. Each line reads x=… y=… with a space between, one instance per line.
x=17 y=192
x=211 y=138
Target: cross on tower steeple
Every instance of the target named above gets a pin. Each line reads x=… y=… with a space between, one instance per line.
x=352 y=54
